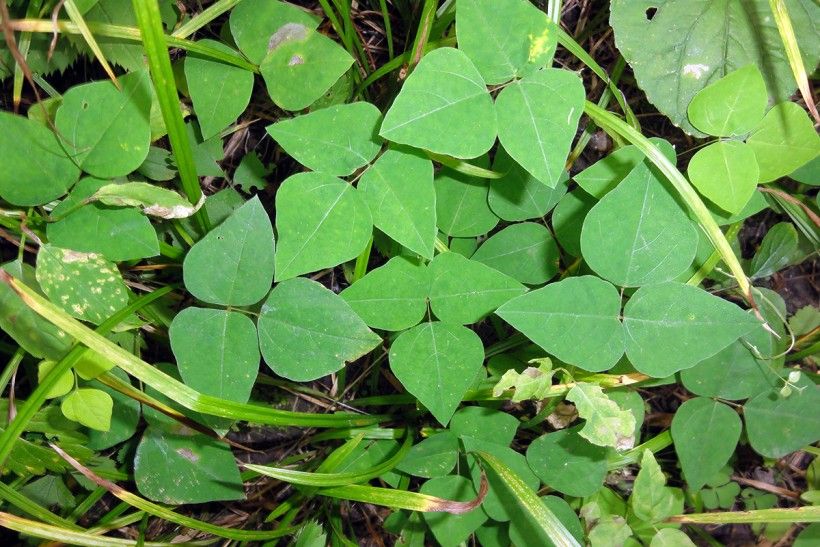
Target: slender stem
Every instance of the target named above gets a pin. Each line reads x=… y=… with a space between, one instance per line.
x=206 y=16
x=714 y=258
x=361 y=262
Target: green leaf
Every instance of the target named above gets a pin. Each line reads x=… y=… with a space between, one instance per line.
x=568 y=219
x=158 y=165
x=651 y=500
x=119 y=51
x=85 y=285
x=726 y=172
x=301 y=65
x=336 y=140
x=107 y=130
x=63 y=385
x=671 y=327
x=638 y=234
x=732 y=105
x=605 y=174
x=148 y=198
x=399 y=191
x=48 y=491
x=321 y=222
x=607 y=424
x=26 y=182
x=444 y=107
x=220 y=92
x=250 y=173
x=124 y=417
x=254 y=22
x=185 y=467
x=776 y=251
x=525 y=251
x=34 y=333
x=392 y=297
x=311 y=535
x=531 y=384
x=537 y=120
x=451 y=530
x=688 y=44
x=435 y=456
x=778 y=425
x=784 y=141
x=436 y=363
x=116 y=233
x=90 y=407
x=463 y=291
x=518 y=195
x=610 y=530
x=461 y=204
x=233 y=264
x=307 y=332
x=484 y=423
x=705 y=433
x=562 y=511
x=217 y=352
x=671 y=537
x=567 y=462
x=575 y=319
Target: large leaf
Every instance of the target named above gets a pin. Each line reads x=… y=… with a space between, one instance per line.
x=732 y=105
x=464 y=291
x=517 y=195
x=461 y=204
x=217 y=352
x=638 y=233
x=336 y=140
x=726 y=172
x=399 y=191
x=502 y=47
x=307 y=331
x=705 y=434
x=116 y=233
x=85 y=285
x=220 y=92
x=525 y=251
x=321 y=222
x=26 y=182
x=671 y=327
x=678 y=47
x=444 y=107
x=233 y=264
x=301 y=65
x=107 y=130
x=575 y=319
x=537 y=120
x=254 y=22
x=437 y=362
x=784 y=141
x=567 y=462
x=392 y=297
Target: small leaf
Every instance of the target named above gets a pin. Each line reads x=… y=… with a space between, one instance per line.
x=85 y=285
x=531 y=384
x=671 y=537
x=537 y=120
x=444 y=107
x=732 y=105
x=651 y=500
x=63 y=385
x=336 y=140
x=498 y=53
x=307 y=332
x=484 y=423
x=638 y=234
x=525 y=251
x=233 y=264
x=124 y=417
x=220 y=92
x=321 y=222
x=399 y=191
x=461 y=204
x=575 y=319
x=25 y=182
x=567 y=462
x=452 y=529
x=517 y=195
x=301 y=65
x=254 y=22
x=435 y=456
x=463 y=291
x=250 y=173
x=90 y=407
x=783 y=141
x=705 y=433
x=107 y=130
x=671 y=327
x=726 y=172
x=776 y=251
x=568 y=219
x=606 y=423
x=392 y=297
x=436 y=363
x=150 y=199
x=609 y=531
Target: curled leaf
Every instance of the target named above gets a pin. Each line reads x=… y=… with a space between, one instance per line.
x=151 y=200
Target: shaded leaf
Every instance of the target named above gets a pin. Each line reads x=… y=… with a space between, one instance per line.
x=517 y=195
x=461 y=204
x=525 y=251
x=784 y=141
x=567 y=462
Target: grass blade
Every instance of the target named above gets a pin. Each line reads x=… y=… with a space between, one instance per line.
x=796 y=514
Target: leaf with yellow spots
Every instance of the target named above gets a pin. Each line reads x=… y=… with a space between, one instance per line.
x=85 y=285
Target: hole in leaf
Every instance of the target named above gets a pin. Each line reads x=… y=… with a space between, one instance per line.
x=85 y=105
x=650 y=13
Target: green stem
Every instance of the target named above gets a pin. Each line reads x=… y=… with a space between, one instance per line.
x=714 y=258
x=362 y=260
x=11 y=368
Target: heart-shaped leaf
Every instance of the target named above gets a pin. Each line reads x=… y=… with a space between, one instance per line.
x=307 y=332
x=784 y=141
x=233 y=264
x=444 y=107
